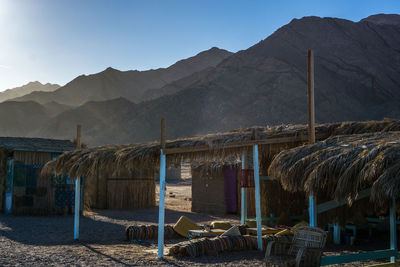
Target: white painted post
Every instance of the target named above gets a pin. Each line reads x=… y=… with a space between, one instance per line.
x=257 y=195
x=161 y=207
x=77 y=207
x=393 y=228
x=161 y=203
x=312 y=210
x=243 y=212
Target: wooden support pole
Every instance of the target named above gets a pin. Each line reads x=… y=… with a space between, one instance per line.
x=311 y=110
x=78 y=136
x=257 y=194
x=161 y=205
x=393 y=228
x=163 y=134
x=77 y=188
x=311 y=129
x=336 y=233
x=243 y=202
x=312 y=210
x=77 y=207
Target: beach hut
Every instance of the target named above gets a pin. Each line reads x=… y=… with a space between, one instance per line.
x=260 y=143
x=23 y=189
x=345 y=169
x=133 y=189
x=212 y=180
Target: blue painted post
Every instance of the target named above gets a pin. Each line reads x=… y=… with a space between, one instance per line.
x=77 y=207
x=257 y=197
x=393 y=229
x=243 y=212
x=336 y=233
x=10 y=186
x=77 y=188
x=161 y=203
x=161 y=207
x=312 y=211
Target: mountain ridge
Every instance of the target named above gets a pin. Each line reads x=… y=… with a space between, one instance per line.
x=25 y=89
x=356 y=78
x=112 y=83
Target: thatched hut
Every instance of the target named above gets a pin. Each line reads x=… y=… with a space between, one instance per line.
x=218 y=149
x=23 y=189
x=346 y=168
x=340 y=167
x=122 y=190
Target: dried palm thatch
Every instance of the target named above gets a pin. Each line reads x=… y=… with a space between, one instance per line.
x=342 y=166
x=219 y=147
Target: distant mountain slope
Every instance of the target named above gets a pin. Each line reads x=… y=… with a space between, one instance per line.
x=20 y=119
x=112 y=83
x=103 y=122
x=357 y=67
x=27 y=89
x=53 y=108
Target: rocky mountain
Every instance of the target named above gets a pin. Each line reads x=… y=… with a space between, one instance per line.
x=27 y=89
x=357 y=67
x=19 y=119
x=103 y=122
x=112 y=83
x=53 y=108
x=384 y=19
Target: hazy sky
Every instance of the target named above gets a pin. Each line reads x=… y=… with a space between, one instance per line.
x=55 y=41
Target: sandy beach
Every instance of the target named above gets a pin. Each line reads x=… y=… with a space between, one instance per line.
x=48 y=241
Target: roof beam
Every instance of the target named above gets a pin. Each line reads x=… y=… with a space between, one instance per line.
x=243 y=144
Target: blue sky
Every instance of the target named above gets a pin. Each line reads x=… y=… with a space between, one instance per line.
x=55 y=41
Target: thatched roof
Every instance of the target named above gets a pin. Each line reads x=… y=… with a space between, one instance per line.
x=36 y=144
x=205 y=148
x=342 y=166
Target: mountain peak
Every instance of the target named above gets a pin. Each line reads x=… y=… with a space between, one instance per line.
x=111 y=69
x=383 y=19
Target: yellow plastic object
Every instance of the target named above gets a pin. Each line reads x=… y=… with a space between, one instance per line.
x=251 y=224
x=221 y=225
x=183 y=225
x=284 y=232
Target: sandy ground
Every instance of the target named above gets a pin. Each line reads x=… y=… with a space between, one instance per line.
x=48 y=241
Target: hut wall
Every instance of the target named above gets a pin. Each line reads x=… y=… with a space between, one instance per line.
x=251 y=201
x=274 y=200
x=130 y=194
x=38 y=194
x=124 y=191
x=31 y=157
x=208 y=191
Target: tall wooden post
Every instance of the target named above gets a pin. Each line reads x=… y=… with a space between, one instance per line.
x=161 y=206
x=393 y=228
x=77 y=188
x=311 y=129
x=243 y=201
x=311 y=110
x=257 y=191
x=78 y=136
